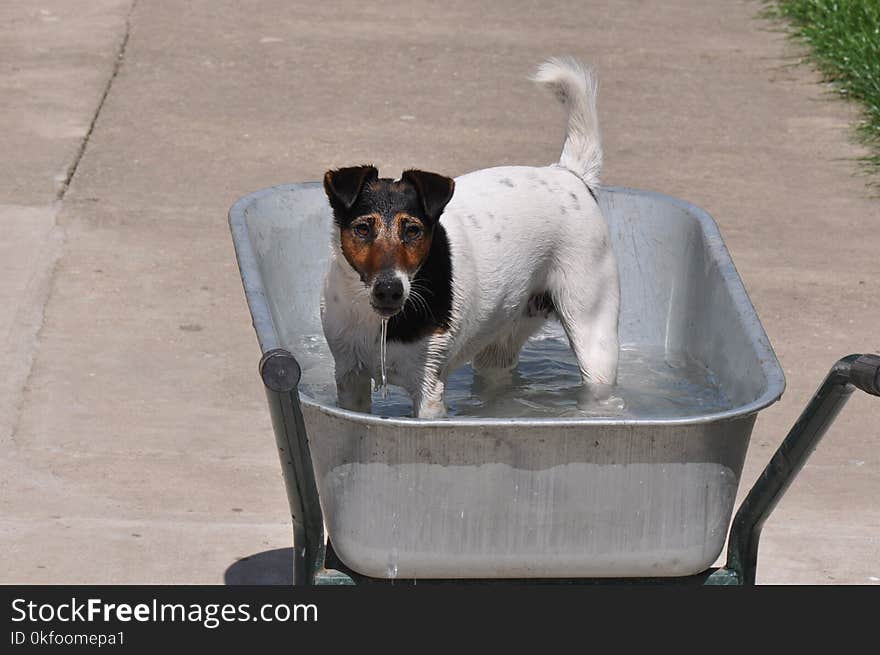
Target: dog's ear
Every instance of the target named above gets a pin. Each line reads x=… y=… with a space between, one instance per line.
x=343 y=185
x=435 y=191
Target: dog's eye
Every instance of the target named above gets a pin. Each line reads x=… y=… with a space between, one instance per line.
x=362 y=230
x=412 y=231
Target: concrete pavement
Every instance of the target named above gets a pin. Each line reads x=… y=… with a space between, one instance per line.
x=136 y=442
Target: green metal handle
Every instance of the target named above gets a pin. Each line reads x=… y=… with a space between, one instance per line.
x=849 y=373
x=865 y=374
x=281 y=374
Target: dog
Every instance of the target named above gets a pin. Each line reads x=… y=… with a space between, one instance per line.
x=467 y=269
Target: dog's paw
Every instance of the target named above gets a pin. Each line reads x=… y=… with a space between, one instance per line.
x=600 y=399
x=431 y=409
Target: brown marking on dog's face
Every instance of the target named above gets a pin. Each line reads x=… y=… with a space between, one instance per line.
x=373 y=244
x=412 y=242
x=357 y=241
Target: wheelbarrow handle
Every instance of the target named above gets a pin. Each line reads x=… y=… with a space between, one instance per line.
x=865 y=374
x=849 y=373
x=281 y=375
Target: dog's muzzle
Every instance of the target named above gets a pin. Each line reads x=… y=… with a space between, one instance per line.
x=387 y=295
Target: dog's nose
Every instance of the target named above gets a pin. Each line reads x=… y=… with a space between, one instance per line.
x=388 y=293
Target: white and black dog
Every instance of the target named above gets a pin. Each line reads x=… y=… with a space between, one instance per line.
x=515 y=245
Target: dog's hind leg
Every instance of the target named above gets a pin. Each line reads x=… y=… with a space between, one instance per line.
x=503 y=354
x=590 y=323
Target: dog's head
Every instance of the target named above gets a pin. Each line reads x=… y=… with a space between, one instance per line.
x=386 y=227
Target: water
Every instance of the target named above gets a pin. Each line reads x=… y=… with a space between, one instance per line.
x=383 y=353
x=546 y=384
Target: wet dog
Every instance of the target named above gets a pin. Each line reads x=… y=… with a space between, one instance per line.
x=468 y=269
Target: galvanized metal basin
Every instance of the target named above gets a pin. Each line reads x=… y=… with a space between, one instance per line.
x=487 y=497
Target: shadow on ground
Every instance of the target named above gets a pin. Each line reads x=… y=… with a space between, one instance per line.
x=272 y=567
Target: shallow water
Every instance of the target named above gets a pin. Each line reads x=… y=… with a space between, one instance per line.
x=382 y=385
x=546 y=384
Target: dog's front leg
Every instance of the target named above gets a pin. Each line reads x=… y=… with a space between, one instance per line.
x=353 y=391
x=429 y=401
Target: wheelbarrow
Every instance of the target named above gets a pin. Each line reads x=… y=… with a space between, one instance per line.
x=379 y=498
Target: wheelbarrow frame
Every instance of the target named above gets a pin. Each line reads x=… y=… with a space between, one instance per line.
x=315 y=563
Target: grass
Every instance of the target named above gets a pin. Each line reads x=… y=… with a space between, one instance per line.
x=844 y=41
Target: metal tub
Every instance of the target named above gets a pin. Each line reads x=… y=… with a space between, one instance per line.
x=525 y=498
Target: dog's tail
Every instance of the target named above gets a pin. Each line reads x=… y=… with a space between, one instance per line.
x=576 y=88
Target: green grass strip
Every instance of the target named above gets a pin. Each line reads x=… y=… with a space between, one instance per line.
x=844 y=41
